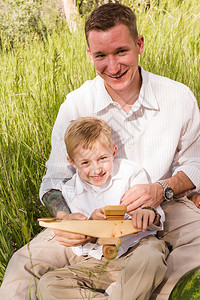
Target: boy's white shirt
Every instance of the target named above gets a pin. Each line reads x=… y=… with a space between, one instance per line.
x=85 y=198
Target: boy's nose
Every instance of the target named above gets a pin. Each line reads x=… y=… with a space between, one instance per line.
x=97 y=167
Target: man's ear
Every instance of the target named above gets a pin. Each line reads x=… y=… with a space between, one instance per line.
x=90 y=55
x=140 y=44
x=71 y=162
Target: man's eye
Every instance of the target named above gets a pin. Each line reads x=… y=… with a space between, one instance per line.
x=85 y=163
x=122 y=51
x=99 y=56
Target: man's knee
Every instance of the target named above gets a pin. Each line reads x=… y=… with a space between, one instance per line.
x=44 y=286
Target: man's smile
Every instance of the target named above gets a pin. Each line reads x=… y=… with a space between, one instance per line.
x=117 y=76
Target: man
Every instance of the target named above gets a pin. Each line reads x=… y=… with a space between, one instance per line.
x=154 y=121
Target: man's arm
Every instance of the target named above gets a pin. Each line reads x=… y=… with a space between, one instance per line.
x=152 y=194
x=180 y=183
x=55 y=202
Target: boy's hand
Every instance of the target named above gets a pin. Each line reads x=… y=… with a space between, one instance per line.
x=98 y=214
x=68 y=239
x=142 y=218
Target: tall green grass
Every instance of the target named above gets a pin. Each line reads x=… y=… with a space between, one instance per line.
x=35 y=77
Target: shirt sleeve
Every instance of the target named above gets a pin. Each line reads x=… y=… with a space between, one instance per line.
x=139 y=176
x=188 y=155
x=58 y=168
x=153 y=227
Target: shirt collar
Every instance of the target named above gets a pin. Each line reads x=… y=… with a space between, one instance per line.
x=146 y=97
x=102 y=98
x=79 y=184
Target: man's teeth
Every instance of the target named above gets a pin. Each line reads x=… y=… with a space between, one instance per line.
x=117 y=76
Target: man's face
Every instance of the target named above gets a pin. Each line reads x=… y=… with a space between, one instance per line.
x=114 y=54
x=94 y=165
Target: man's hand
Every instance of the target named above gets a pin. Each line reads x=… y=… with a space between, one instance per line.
x=142 y=194
x=196 y=199
x=68 y=239
x=142 y=218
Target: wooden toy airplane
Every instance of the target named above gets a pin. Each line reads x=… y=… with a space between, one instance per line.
x=108 y=231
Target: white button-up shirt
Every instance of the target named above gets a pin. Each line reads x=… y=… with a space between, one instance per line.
x=85 y=198
x=162 y=125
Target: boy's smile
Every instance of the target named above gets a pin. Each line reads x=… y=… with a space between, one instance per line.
x=94 y=164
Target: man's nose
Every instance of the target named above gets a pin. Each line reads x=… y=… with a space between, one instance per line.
x=113 y=65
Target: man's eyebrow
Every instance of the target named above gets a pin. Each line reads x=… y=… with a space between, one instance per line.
x=116 y=50
x=98 y=53
x=121 y=48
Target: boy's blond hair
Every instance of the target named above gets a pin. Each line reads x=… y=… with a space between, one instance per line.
x=85 y=131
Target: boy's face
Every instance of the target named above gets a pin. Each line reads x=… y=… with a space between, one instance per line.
x=94 y=165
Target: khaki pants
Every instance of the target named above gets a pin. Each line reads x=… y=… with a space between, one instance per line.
x=137 y=274
x=182 y=230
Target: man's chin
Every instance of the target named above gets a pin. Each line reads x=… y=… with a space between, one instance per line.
x=116 y=86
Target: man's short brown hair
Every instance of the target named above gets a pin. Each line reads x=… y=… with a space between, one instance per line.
x=85 y=131
x=109 y=15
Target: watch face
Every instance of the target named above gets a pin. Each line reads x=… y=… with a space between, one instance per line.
x=169 y=193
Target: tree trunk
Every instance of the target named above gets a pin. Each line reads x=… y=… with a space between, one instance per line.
x=71 y=14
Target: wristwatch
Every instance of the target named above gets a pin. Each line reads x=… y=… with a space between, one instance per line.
x=168 y=193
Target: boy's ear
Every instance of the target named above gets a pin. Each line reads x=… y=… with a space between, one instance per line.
x=71 y=162
x=90 y=55
x=114 y=151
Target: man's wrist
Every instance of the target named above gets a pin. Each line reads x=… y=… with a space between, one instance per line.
x=180 y=183
x=55 y=202
x=159 y=192
x=62 y=215
x=168 y=193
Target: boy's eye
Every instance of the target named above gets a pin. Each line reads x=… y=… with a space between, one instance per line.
x=103 y=157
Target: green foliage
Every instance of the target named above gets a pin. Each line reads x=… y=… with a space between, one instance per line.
x=19 y=18
x=35 y=76
x=24 y=19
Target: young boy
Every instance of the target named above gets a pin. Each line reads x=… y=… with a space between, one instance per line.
x=101 y=180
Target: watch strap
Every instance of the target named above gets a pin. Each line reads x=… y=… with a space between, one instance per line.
x=166 y=187
x=163 y=183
